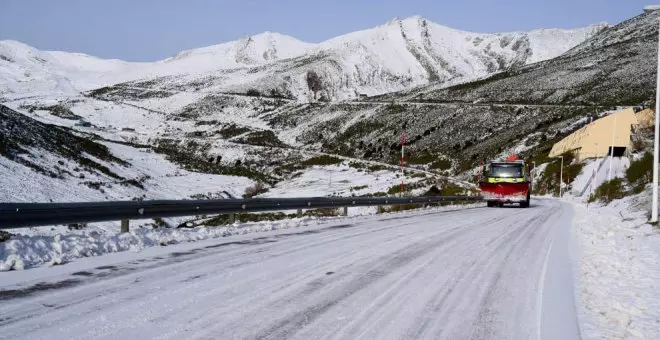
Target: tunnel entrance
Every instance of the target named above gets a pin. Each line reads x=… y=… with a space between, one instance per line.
x=619 y=151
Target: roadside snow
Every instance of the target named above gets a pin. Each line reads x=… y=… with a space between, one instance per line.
x=619 y=167
x=618 y=271
x=34 y=247
x=34 y=250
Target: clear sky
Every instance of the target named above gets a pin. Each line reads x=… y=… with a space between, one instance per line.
x=146 y=30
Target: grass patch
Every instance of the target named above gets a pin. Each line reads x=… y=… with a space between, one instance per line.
x=549 y=181
x=417 y=175
x=358 y=130
x=420 y=158
x=640 y=172
x=261 y=138
x=377 y=167
x=375 y=194
x=232 y=131
x=253 y=93
x=223 y=219
x=322 y=212
x=100 y=92
x=394 y=108
x=370 y=167
x=440 y=164
x=408 y=187
x=572 y=171
x=58 y=110
x=479 y=83
x=608 y=191
x=403 y=207
x=321 y=160
x=395 y=189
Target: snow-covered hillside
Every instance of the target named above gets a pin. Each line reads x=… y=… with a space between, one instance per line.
x=390 y=57
x=254 y=50
x=546 y=44
x=26 y=71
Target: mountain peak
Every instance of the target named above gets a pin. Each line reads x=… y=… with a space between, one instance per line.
x=397 y=20
x=393 y=21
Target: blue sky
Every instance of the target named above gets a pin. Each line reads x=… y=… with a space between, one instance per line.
x=145 y=30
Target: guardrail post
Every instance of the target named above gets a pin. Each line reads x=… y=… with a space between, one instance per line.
x=379 y=209
x=232 y=218
x=124 y=226
x=300 y=213
x=345 y=211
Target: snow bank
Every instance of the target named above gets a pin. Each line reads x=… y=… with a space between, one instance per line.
x=618 y=271
x=32 y=250
x=592 y=177
x=34 y=247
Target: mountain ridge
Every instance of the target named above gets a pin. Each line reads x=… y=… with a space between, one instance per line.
x=390 y=57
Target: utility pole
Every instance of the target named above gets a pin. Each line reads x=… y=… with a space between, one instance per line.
x=609 y=174
x=561 y=175
x=654 y=208
x=533 y=175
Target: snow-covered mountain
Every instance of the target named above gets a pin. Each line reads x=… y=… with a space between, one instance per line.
x=240 y=108
x=254 y=50
x=25 y=70
x=391 y=57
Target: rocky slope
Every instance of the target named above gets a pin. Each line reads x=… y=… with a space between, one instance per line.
x=615 y=67
x=520 y=110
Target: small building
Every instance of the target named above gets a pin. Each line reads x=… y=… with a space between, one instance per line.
x=612 y=133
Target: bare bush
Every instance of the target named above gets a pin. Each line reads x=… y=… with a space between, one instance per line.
x=323 y=212
x=256 y=189
x=77 y=226
x=314 y=82
x=4 y=236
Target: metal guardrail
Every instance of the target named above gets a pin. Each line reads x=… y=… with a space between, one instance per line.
x=19 y=215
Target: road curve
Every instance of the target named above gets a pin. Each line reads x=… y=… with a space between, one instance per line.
x=478 y=273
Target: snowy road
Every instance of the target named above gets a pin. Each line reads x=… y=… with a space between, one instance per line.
x=468 y=274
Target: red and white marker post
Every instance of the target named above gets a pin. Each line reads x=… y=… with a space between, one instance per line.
x=403 y=153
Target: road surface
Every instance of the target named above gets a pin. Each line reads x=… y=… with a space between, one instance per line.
x=480 y=273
